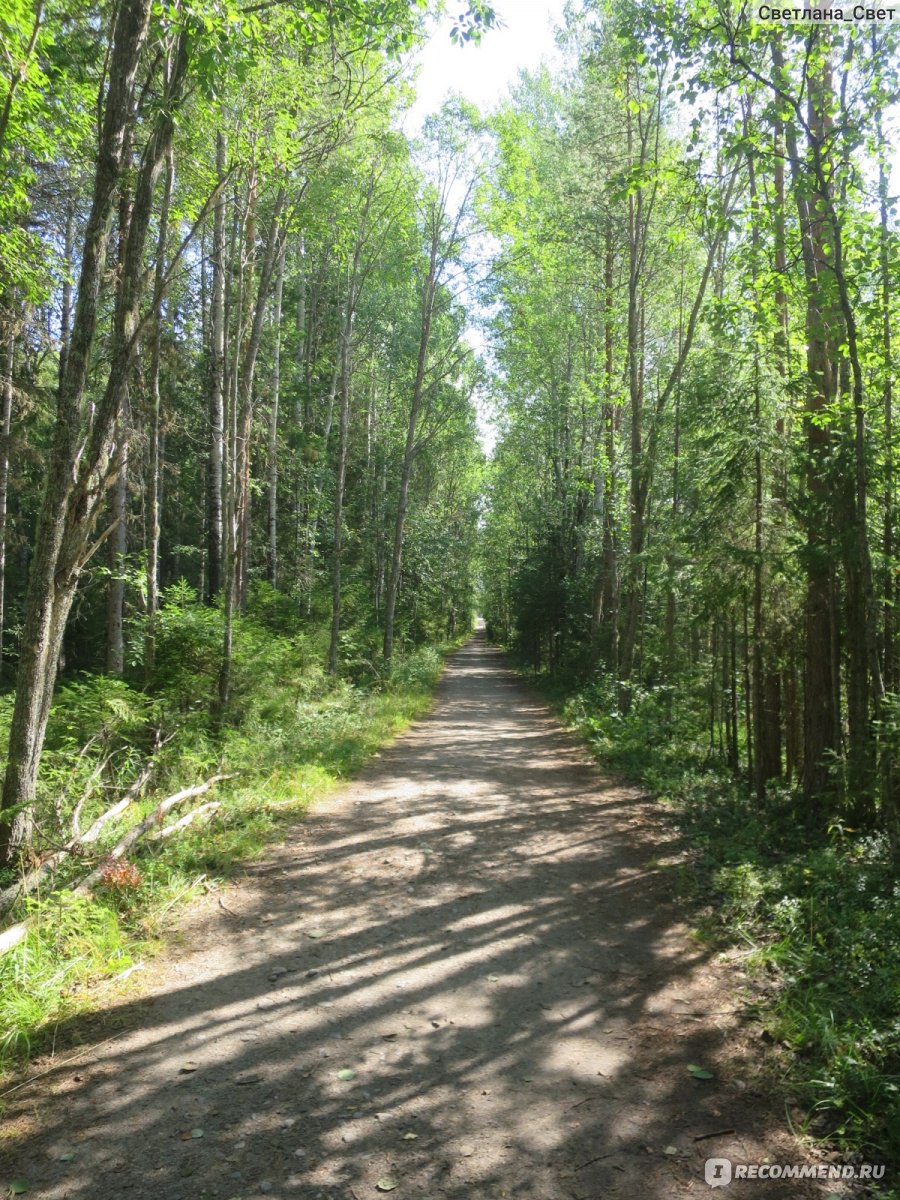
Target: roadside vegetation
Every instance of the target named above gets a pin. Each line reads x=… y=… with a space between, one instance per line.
x=292 y=734
x=816 y=912
x=239 y=458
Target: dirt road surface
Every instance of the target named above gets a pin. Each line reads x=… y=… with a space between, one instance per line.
x=464 y=977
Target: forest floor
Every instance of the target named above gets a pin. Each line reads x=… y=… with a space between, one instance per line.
x=466 y=975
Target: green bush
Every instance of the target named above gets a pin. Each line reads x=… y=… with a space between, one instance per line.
x=188 y=648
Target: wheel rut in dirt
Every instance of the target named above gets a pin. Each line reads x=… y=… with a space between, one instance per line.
x=464 y=976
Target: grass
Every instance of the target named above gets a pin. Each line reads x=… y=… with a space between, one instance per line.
x=293 y=735
x=820 y=912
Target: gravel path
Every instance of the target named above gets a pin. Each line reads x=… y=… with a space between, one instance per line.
x=464 y=976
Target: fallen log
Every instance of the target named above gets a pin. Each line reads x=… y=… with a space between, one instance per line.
x=137 y=831
x=48 y=866
x=203 y=810
x=17 y=933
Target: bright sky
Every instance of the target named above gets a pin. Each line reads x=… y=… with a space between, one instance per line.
x=484 y=73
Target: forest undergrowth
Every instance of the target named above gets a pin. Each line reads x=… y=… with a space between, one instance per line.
x=291 y=734
x=819 y=915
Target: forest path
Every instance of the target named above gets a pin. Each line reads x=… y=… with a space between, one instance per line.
x=478 y=930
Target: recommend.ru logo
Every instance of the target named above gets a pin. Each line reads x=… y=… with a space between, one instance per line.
x=719 y=1172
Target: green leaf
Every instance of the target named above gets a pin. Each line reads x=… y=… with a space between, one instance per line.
x=699 y=1072
x=19 y=1187
x=386 y=1184
x=196 y=1133
x=346 y=1073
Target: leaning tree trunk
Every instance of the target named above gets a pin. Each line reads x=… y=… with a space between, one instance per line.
x=78 y=475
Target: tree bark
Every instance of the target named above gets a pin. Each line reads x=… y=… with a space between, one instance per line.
x=429 y=291
x=339 y=484
x=272 y=469
x=65 y=316
x=6 y=411
x=236 y=522
x=764 y=696
x=154 y=493
x=821 y=714
x=118 y=547
x=216 y=387
x=890 y=810
x=637 y=466
x=606 y=586
x=78 y=474
x=272 y=256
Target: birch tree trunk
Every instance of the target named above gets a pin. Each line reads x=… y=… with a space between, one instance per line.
x=429 y=291
x=236 y=546
x=272 y=466
x=339 y=484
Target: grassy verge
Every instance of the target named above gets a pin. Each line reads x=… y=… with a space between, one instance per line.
x=820 y=917
x=293 y=735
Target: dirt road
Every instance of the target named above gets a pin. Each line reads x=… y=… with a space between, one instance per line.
x=464 y=976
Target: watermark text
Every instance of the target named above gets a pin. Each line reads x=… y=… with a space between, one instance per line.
x=719 y=1172
x=859 y=13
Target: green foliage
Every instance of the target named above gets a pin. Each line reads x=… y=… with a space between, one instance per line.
x=416 y=672
x=819 y=914
x=42 y=981
x=663 y=548
x=189 y=646
x=825 y=920
x=292 y=734
x=472 y=22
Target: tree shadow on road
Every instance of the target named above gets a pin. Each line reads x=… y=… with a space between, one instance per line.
x=469 y=977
